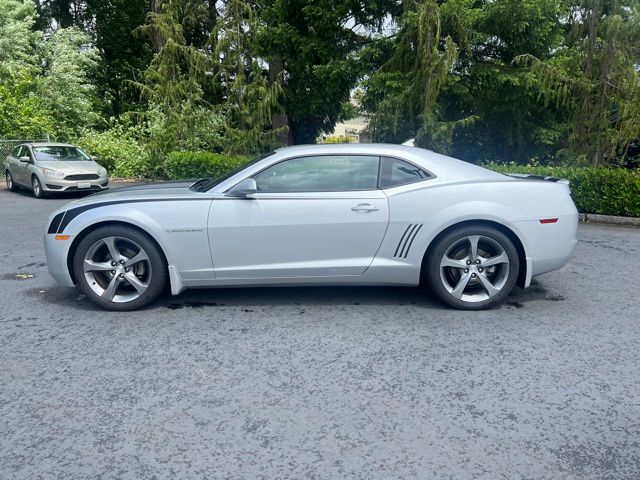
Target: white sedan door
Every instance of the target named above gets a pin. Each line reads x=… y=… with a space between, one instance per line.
x=311 y=217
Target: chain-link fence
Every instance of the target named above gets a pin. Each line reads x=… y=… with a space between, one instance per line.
x=7 y=145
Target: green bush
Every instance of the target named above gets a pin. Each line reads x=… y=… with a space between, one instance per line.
x=605 y=191
x=179 y=165
x=119 y=150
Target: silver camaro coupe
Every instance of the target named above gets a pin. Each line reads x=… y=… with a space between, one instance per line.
x=319 y=215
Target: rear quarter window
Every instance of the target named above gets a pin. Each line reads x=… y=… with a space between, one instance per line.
x=395 y=172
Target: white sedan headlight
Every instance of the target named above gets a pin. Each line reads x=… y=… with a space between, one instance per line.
x=52 y=173
x=102 y=171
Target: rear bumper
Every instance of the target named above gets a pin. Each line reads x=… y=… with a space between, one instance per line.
x=550 y=246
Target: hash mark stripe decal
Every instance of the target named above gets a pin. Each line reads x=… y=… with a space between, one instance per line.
x=406 y=241
x=55 y=223
x=402 y=239
x=415 y=234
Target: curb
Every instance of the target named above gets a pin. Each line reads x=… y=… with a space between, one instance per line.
x=609 y=219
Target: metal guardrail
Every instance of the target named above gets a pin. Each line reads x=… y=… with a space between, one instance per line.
x=6 y=145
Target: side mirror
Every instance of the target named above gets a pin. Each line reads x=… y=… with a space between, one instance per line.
x=95 y=158
x=25 y=159
x=244 y=188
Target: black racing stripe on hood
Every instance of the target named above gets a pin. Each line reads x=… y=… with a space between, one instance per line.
x=74 y=212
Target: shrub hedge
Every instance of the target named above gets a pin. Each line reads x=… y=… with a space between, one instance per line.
x=605 y=191
x=119 y=151
x=179 y=165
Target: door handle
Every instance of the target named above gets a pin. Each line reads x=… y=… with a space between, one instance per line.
x=364 y=207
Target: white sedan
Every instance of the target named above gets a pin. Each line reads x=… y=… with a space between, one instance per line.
x=319 y=215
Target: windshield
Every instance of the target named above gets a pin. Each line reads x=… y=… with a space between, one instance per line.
x=60 y=153
x=207 y=184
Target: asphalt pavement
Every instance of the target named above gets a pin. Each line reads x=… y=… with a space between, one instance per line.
x=325 y=383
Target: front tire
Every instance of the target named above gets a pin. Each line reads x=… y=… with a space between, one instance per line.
x=36 y=186
x=472 y=267
x=119 y=268
x=11 y=186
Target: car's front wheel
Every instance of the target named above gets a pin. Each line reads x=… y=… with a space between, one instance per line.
x=11 y=186
x=36 y=186
x=473 y=267
x=119 y=268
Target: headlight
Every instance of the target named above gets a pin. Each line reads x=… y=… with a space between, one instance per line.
x=102 y=171
x=51 y=173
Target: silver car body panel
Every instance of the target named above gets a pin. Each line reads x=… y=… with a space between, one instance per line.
x=213 y=239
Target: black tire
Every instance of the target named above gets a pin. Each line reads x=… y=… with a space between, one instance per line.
x=437 y=277
x=156 y=261
x=11 y=185
x=36 y=186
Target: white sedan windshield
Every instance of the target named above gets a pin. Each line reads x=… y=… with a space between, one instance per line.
x=60 y=153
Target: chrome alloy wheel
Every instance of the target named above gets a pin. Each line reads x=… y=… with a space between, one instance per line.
x=37 y=188
x=9 y=180
x=474 y=268
x=117 y=269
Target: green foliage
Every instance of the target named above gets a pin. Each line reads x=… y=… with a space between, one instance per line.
x=606 y=191
x=404 y=93
x=313 y=46
x=22 y=113
x=66 y=89
x=180 y=165
x=119 y=149
x=250 y=97
x=338 y=139
x=45 y=84
x=17 y=39
x=594 y=79
x=173 y=82
x=124 y=52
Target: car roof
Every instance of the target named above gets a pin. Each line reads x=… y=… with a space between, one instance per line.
x=376 y=148
x=47 y=144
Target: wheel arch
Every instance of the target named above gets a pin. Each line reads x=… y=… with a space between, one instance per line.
x=517 y=243
x=90 y=228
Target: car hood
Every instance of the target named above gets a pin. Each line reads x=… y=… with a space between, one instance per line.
x=71 y=167
x=147 y=191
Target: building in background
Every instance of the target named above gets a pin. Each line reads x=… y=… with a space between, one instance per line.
x=350 y=131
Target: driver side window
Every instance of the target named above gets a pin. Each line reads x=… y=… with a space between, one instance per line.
x=322 y=173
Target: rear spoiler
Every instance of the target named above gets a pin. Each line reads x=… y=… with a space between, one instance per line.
x=529 y=176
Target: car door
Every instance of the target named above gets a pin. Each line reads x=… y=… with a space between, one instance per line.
x=18 y=168
x=313 y=216
x=27 y=168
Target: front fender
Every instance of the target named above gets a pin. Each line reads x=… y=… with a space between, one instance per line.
x=179 y=228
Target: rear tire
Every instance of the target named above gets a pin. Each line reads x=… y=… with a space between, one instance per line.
x=11 y=186
x=472 y=268
x=119 y=268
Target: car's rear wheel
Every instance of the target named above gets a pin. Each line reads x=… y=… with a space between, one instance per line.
x=9 y=179
x=119 y=268
x=473 y=267
x=36 y=186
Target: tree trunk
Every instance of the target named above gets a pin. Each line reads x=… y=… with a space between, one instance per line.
x=155 y=6
x=279 y=119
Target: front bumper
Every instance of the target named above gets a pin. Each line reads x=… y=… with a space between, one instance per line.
x=57 y=252
x=53 y=184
